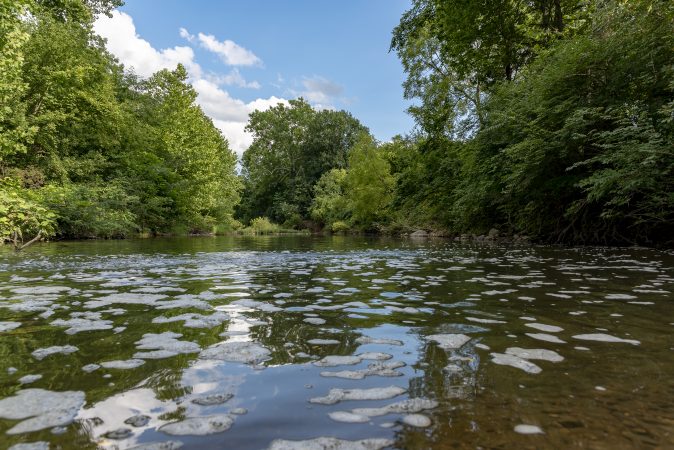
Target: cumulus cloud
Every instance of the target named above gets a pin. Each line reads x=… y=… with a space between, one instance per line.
x=229 y=52
x=137 y=53
x=229 y=114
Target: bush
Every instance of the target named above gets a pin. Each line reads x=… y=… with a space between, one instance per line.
x=23 y=220
x=91 y=211
x=339 y=227
x=262 y=225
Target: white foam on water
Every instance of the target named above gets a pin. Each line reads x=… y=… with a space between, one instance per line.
x=123 y=364
x=42 y=353
x=192 y=320
x=38 y=445
x=8 y=326
x=330 y=443
x=409 y=406
x=544 y=327
x=27 y=379
x=480 y=320
x=546 y=337
x=41 y=409
x=241 y=352
x=601 y=337
x=528 y=429
x=166 y=445
x=417 y=420
x=199 y=426
x=338 y=360
x=347 y=417
x=323 y=342
x=449 y=341
x=378 y=393
x=314 y=321
x=505 y=359
x=535 y=353
x=163 y=345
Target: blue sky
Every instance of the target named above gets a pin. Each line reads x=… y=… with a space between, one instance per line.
x=251 y=54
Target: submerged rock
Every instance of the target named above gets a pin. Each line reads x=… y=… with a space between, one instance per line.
x=337 y=395
x=330 y=443
x=41 y=409
x=242 y=352
x=42 y=353
x=600 y=337
x=199 y=426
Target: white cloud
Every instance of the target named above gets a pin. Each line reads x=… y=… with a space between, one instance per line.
x=230 y=115
x=319 y=91
x=229 y=52
x=137 y=53
x=234 y=78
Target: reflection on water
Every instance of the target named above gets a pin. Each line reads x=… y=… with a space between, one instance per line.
x=239 y=342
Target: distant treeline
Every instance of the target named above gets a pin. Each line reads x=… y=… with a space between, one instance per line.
x=552 y=119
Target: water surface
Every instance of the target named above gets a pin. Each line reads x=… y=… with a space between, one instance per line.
x=460 y=328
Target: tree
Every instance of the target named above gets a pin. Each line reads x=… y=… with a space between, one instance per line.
x=293 y=146
x=15 y=132
x=368 y=184
x=203 y=184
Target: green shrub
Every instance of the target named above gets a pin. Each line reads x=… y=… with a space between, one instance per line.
x=339 y=227
x=262 y=225
x=23 y=220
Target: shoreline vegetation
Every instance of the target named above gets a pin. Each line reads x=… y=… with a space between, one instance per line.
x=549 y=121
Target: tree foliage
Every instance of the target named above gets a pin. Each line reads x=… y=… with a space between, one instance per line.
x=293 y=146
x=108 y=154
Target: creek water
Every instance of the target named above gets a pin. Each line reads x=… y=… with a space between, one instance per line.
x=274 y=342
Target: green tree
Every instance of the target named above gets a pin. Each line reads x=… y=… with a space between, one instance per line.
x=368 y=184
x=293 y=146
x=203 y=183
x=15 y=132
